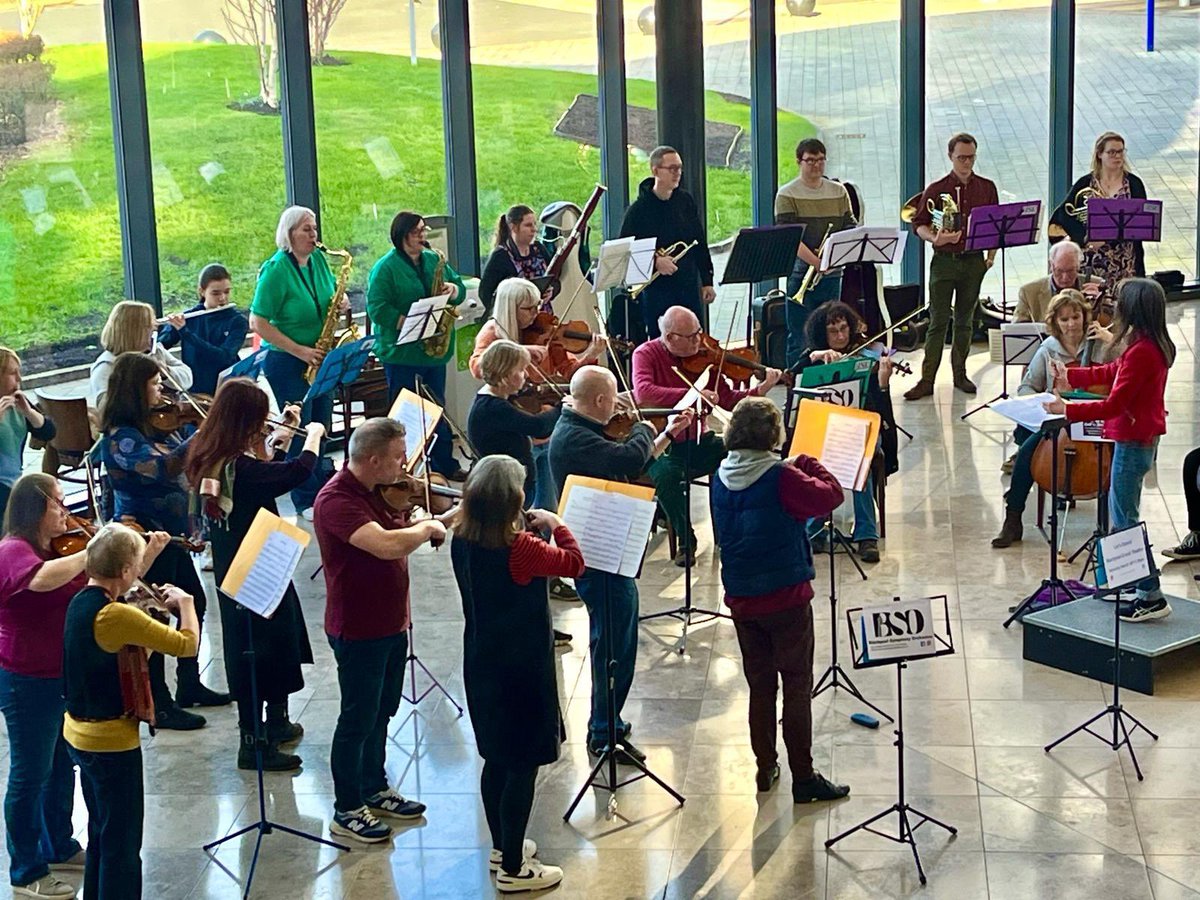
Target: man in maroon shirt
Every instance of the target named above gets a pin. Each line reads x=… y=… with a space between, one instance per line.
x=656 y=385
x=955 y=274
x=364 y=548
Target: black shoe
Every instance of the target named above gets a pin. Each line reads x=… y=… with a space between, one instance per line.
x=1145 y=611
x=685 y=558
x=560 y=590
x=1010 y=532
x=868 y=551
x=273 y=759
x=561 y=638
x=625 y=750
x=819 y=544
x=196 y=694
x=1189 y=547
x=283 y=731
x=172 y=718
x=817 y=789
x=765 y=778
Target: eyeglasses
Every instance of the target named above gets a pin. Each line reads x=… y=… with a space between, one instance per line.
x=688 y=337
x=532 y=308
x=812 y=160
x=674 y=170
x=963 y=157
x=1120 y=152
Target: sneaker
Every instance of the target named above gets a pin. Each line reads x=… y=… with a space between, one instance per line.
x=921 y=389
x=1007 y=466
x=765 y=778
x=172 y=718
x=359 y=825
x=534 y=876
x=74 y=863
x=390 y=804
x=561 y=638
x=49 y=886
x=560 y=590
x=1143 y=611
x=868 y=551
x=817 y=789
x=307 y=514
x=1189 y=547
x=496 y=858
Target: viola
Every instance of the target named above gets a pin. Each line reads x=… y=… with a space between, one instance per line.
x=410 y=491
x=81 y=530
x=562 y=339
x=898 y=365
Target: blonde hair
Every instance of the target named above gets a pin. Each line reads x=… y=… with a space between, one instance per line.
x=8 y=356
x=1059 y=302
x=501 y=359
x=511 y=293
x=1098 y=150
x=128 y=324
x=114 y=547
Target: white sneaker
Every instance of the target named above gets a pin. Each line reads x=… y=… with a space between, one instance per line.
x=528 y=850
x=49 y=886
x=534 y=876
x=307 y=515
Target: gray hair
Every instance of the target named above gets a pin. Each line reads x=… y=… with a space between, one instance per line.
x=491 y=503
x=1066 y=247
x=114 y=547
x=512 y=293
x=674 y=313
x=288 y=220
x=373 y=437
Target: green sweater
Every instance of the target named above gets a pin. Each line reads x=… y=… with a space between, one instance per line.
x=393 y=286
x=285 y=298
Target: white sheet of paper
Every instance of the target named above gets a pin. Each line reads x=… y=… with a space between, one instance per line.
x=1020 y=341
x=1124 y=557
x=613 y=264
x=421 y=321
x=844 y=447
x=417 y=424
x=1029 y=411
x=1090 y=432
x=882 y=243
x=692 y=397
x=611 y=528
x=641 y=261
x=270 y=575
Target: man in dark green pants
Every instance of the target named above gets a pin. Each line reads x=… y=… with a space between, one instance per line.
x=954 y=273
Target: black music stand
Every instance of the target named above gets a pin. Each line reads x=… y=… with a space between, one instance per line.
x=999 y=227
x=767 y=253
x=341 y=366
x=1124 y=219
x=1092 y=544
x=248 y=367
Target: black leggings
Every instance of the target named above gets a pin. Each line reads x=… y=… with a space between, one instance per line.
x=1191 y=469
x=174 y=566
x=507 y=800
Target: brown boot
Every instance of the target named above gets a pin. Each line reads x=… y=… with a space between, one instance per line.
x=921 y=389
x=1010 y=531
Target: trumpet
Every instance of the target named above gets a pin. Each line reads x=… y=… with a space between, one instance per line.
x=812 y=276
x=1078 y=209
x=676 y=252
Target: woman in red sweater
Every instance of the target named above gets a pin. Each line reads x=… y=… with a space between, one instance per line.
x=1133 y=412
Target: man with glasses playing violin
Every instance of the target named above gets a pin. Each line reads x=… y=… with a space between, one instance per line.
x=657 y=382
x=668 y=213
x=823 y=207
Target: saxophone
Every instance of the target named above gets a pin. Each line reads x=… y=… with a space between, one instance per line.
x=330 y=336
x=437 y=345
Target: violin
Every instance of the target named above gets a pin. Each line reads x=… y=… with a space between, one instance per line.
x=620 y=426
x=82 y=530
x=533 y=397
x=410 y=492
x=563 y=339
x=870 y=352
x=180 y=410
x=738 y=363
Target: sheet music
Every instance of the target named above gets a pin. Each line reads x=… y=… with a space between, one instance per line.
x=613 y=264
x=844 y=449
x=270 y=574
x=883 y=246
x=611 y=528
x=1029 y=411
x=641 y=261
x=1020 y=341
x=421 y=320
x=418 y=423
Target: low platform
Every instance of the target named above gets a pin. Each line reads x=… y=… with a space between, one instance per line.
x=1078 y=637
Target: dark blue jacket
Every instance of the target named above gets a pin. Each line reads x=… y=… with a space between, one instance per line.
x=210 y=344
x=578 y=447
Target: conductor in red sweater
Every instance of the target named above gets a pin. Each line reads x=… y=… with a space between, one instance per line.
x=760 y=506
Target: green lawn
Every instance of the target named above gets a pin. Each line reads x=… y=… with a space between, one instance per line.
x=60 y=283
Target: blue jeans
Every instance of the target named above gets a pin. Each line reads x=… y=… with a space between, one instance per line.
x=112 y=790
x=41 y=780
x=1130 y=463
x=1021 y=484
x=371 y=681
x=285 y=374
x=441 y=457
x=866 y=524
x=796 y=314
x=622 y=597
x=545 y=494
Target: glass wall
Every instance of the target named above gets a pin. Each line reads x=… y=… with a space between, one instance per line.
x=377 y=93
x=727 y=118
x=996 y=89
x=641 y=113
x=1145 y=97
x=212 y=98
x=60 y=241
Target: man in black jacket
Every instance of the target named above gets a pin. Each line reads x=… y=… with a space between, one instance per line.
x=667 y=213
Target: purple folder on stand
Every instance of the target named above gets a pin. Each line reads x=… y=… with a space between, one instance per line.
x=1004 y=225
x=1124 y=219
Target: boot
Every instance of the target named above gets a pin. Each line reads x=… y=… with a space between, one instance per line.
x=280 y=729
x=1010 y=531
x=190 y=692
x=274 y=760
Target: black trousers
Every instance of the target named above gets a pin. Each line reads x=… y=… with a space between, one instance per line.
x=174 y=566
x=507 y=801
x=112 y=790
x=1191 y=470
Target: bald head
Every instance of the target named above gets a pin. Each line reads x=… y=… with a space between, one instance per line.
x=594 y=393
x=680 y=331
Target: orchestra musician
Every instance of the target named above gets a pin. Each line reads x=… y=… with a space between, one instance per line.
x=760 y=506
x=401 y=277
x=1067 y=323
x=955 y=273
x=580 y=447
x=666 y=212
x=1109 y=176
x=1033 y=299
x=130 y=328
x=823 y=207
x=145 y=476
x=225 y=467
x=509 y=668
x=209 y=343
x=516 y=253
x=656 y=384
x=19 y=419
x=495 y=425
x=1189 y=548
x=1134 y=413
x=100 y=725
x=365 y=545
x=36 y=586
x=291 y=301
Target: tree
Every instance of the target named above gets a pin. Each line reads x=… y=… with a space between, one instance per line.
x=321 y=16
x=253 y=22
x=29 y=11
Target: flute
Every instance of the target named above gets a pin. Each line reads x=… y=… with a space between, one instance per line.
x=194 y=313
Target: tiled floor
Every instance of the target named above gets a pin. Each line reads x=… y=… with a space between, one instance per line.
x=1074 y=823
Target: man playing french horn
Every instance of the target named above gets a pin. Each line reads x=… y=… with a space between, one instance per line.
x=955 y=274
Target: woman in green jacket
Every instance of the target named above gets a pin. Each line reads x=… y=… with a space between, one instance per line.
x=399 y=279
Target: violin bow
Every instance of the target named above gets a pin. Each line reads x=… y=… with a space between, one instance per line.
x=546 y=379
x=700 y=401
x=425 y=453
x=603 y=326
x=728 y=338
x=183 y=392
x=458 y=432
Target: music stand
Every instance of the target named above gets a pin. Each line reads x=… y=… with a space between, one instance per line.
x=248 y=367
x=341 y=366
x=767 y=253
x=1124 y=219
x=999 y=227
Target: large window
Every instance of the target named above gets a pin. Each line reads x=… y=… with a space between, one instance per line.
x=988 y=74
x=377 y=93
x=60 y=242
x=1145 y=97
x=215 y=143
